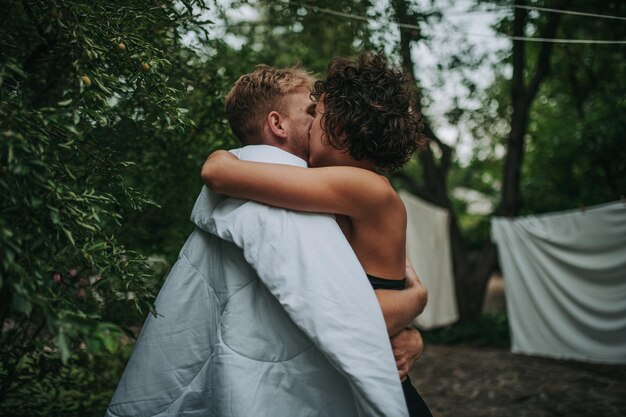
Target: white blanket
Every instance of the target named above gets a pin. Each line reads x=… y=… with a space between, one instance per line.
x=298 y=334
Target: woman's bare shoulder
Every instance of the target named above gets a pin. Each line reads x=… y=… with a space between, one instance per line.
x=367 y=192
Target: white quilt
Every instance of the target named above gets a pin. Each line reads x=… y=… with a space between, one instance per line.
x=298 y=334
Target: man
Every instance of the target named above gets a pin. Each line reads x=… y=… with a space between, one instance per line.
x=268 y=312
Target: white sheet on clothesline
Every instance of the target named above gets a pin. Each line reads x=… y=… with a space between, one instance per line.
x=428 y=248
x=565 y=278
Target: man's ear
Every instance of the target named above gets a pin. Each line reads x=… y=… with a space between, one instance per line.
x=275 y=121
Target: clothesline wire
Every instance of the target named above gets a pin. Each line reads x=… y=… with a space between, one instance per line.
x=495 y=7
x=572 y=12
x=515 y=38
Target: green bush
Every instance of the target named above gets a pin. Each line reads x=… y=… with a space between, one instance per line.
x=82 y=387
x=91 y=122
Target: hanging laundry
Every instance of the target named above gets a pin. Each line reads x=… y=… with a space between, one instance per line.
x=565 y=276
x=428 y=249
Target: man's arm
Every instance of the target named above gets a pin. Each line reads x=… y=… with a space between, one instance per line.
x=401 y=307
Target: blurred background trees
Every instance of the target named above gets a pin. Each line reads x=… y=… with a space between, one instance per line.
x=107 y=110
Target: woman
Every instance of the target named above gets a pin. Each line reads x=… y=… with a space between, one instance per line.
x=364 y=122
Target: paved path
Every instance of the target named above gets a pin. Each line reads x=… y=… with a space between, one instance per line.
x=476 y=382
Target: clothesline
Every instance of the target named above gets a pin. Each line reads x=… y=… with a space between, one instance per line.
x=515 y=38
x=571 y=12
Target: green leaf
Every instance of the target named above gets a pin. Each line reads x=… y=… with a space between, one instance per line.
x=109 y=342
x=21 y=304
x=16 y=69
x=69 y=236
x=94 y=344
x=63 y=343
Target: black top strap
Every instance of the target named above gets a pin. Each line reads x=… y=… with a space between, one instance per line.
x=386 y=284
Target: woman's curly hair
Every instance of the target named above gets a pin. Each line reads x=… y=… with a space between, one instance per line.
x=369 y=111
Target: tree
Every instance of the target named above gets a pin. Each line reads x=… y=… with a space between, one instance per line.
x=87 y=90
x=285 y=34
x=523 y=96
x=546 y=119
x=575 y=155
x=471 y=271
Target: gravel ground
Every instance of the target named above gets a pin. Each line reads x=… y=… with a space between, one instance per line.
x=475 y=382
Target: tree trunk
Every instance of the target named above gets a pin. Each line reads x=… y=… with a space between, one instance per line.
x=472 y=270
x=470 y=274
x=522 y=99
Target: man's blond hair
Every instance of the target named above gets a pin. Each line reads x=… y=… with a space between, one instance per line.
x=256 y=94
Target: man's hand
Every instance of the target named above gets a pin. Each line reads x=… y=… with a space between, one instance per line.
x=407 y=348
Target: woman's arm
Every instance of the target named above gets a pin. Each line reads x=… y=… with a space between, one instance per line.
x=342 y=190
x=401 y=307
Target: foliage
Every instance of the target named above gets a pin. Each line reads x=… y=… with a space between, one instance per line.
x=574 y=153
x=167 y=163
x=90 y=106
x=81 y=388
x=297 y=33
x=576 y=156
